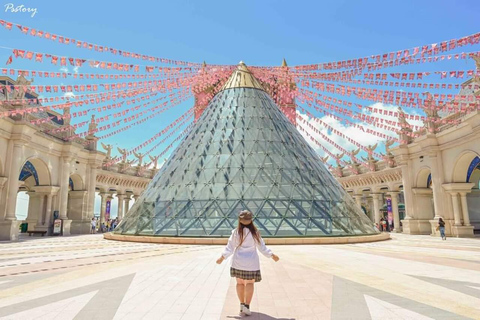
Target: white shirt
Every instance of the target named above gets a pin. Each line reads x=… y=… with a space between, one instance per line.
x=245 y=256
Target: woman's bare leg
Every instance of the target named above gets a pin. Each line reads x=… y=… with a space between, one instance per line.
x=249 y=287
x=241 y=290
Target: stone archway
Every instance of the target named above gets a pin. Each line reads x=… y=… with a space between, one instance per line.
x=466 y=164
x=465 y=180
x=424 y=178
x=75 y=183
x=77 y=205
x=36 y=178
x=23 y=199
x=473 y=174
x=422 y=204
x=36 y=169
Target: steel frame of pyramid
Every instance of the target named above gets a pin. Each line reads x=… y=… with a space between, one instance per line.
x=243 y=153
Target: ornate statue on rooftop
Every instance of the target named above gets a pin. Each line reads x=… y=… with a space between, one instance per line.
x=388 y=156
x=388 y=143
x=22 y=84
x=405 y=132
x=431 y=111
x=338 y=158
x=123 y=152
x=142 y=169
x=66 y=116
x=352 y=155
x=92 y=126
x=476 y=76
x=477 y=62
x=140 y=157
x=338 y=169
x=371 y=150
x=353 y=166
x=107 y=148
x=92 y=129
x=125 y=165
x=154 y=161
x=370 y=159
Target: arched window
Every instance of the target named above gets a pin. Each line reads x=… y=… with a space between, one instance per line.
x=473 y=173
x=28 y=171
x=429 y=181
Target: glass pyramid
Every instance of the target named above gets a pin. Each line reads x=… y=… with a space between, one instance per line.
x=243 y=153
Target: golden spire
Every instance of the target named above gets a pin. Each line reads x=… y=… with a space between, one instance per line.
x=204 y=64
x=284 y=63
x=242 y=78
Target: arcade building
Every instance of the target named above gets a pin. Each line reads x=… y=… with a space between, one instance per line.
x=434 y=175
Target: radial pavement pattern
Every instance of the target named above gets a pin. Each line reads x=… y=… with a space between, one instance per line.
x=243 y=153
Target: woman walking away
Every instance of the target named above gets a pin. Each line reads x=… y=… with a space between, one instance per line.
x=243 y=245
x=441 y=226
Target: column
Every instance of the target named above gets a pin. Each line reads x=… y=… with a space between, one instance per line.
x=127 y=204
x=3 y=180
x=48 y=214
x=437 y=182
x=40 y=212
x=54 y=200
x=396 y=215
x=91 y=192
x=456 y=209
x=109 y=198
x=376 y=207
x=407 y=191
x=64 y=187
x=466 y=217
x=13 y=176
x=370 y=212
x=358 y=200
x=121 y=205
x=103 y=207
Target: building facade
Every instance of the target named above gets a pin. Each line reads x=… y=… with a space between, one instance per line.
x=60 y=176
x=435 y=174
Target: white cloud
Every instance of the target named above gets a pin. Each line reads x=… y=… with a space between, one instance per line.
x=354 y=133
x=75 y=69
x=393 y=109
x=64 y=69
x=69 y=94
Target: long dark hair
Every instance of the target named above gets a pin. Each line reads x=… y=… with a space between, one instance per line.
x=253 y=231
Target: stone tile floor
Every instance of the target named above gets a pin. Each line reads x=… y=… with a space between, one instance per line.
x=87 y=277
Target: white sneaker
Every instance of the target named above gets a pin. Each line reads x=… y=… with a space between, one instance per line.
x=246 y=310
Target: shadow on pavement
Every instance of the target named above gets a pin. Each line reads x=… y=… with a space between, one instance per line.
x=258 y=316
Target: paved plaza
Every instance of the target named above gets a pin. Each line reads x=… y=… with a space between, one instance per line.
x=87 y=277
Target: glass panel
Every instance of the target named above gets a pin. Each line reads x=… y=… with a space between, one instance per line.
x=244 y=154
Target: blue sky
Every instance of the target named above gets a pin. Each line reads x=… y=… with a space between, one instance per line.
x=258 y=32
x=224 y=32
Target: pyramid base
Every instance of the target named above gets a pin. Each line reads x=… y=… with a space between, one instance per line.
x=269 y=241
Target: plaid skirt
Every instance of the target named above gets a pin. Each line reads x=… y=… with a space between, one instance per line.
x=246 y=275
